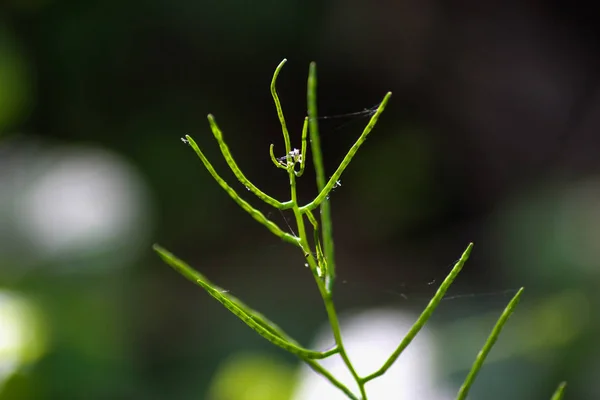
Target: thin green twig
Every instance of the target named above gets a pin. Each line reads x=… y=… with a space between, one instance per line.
x=286 y=135
x=464 y=390
x=317 y=239
x=326 y=225
x=303 y=151
x=315 y=142
x=315 y=366
x=324 y=192
x=256 y=214
x=277 y=163
x=218 y=134
x=425 y=315
x=290 y=166
x=258 y=322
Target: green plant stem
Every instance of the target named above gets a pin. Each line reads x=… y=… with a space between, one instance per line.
x=326 y=225
x=255 y=320
x=306 y=247
x=464 y=390
x=326 y=295
x=317 y=239
x=324 y=192
x=315 y=142
x=277 y=163
x=425 y=315
x=286 y=135
x=218 y=134
x=318 y=269
x=328 y=301
x=292 y=177
x=303 y=151
x=337 y=334
x=323 y=372
x=257 y=215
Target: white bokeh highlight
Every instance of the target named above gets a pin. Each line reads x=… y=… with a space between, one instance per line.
x=71 y=207
x=370 y=338
x=83 y=199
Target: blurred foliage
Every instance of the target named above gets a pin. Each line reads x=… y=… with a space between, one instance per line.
x=252 y=377
x=16 y=81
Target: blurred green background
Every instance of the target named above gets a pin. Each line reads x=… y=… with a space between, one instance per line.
x=491 y=137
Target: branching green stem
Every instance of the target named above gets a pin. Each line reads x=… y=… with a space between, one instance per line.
x=315 y=366
x=256 y=214
x=321 y=260
x=327 y=231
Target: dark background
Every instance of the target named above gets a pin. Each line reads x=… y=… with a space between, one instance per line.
x=491 y=136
